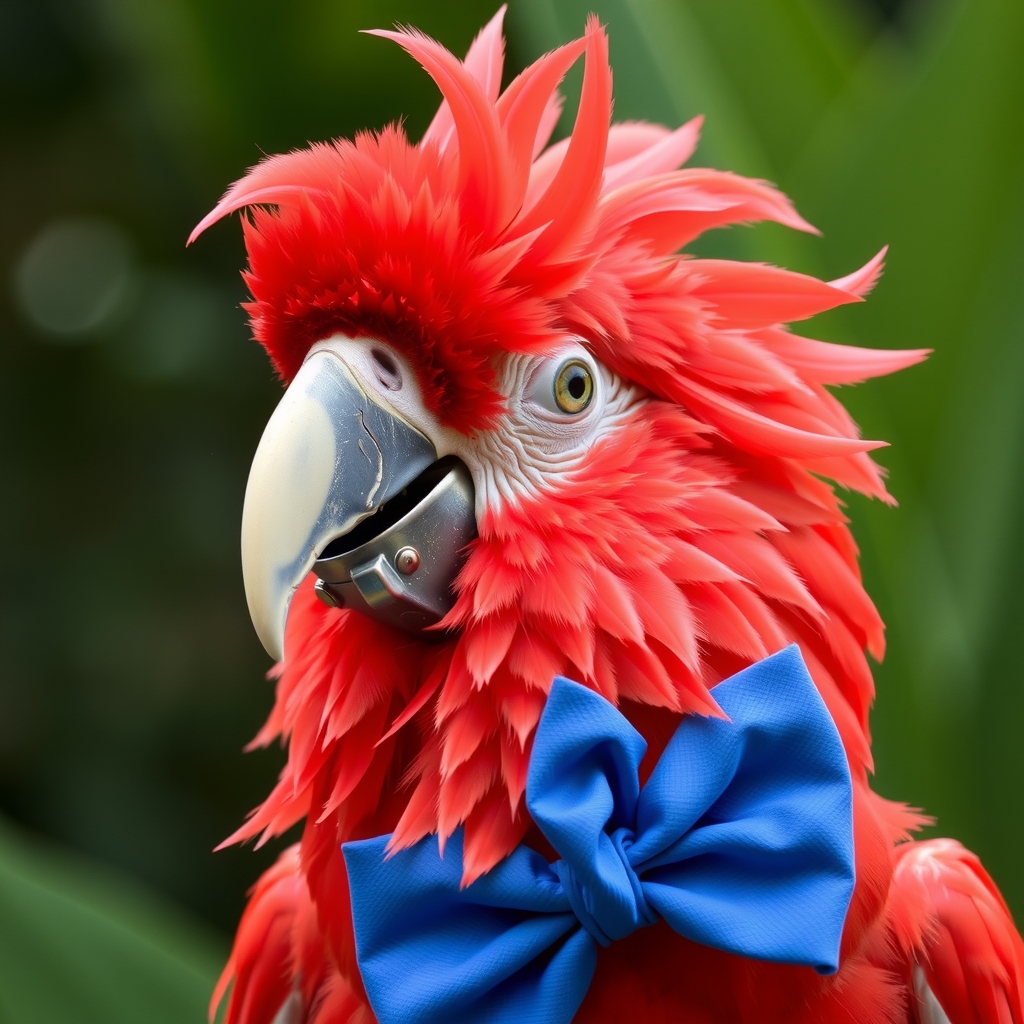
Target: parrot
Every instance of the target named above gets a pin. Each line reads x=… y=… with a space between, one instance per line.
x=525 y=435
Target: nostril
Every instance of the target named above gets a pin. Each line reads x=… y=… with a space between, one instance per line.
x=388 y=371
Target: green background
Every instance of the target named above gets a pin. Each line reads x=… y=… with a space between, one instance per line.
x=129 y=674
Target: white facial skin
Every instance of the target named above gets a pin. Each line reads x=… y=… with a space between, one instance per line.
x=533 y=445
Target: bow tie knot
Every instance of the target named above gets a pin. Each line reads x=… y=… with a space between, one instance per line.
x=619 y=909
x=741 y=839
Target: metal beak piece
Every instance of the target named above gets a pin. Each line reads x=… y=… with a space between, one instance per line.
x=403 y=573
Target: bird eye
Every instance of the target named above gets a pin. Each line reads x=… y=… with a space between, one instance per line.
x=574 y=386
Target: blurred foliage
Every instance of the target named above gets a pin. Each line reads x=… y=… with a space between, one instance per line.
x=131 y=400
x=79 y=946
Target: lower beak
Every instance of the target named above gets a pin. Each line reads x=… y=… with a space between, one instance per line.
x=330 y=456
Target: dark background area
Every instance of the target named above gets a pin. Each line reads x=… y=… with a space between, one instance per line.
x=131 y=399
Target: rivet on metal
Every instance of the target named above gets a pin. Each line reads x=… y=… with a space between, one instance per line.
x=407 y=561
x=326 y=595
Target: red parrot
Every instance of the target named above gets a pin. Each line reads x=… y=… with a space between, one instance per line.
x=634 y=450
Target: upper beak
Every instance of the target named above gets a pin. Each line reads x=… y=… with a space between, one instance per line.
x=331 y=454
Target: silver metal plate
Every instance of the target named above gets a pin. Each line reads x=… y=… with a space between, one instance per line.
x=366 y=578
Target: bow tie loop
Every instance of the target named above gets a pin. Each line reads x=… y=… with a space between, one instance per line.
x=741 y=839
x=583 y=790
x=620 y=908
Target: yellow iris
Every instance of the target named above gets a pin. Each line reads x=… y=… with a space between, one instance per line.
x=574 y=386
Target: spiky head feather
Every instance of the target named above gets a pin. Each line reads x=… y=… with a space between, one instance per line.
x=698 y=537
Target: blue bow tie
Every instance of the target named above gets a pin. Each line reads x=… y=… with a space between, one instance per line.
x=742 y=839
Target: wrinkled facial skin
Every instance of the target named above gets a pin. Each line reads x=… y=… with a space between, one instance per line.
x=537 y=441
x=534 y=443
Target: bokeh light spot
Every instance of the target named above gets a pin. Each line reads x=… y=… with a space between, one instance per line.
x=74 y=277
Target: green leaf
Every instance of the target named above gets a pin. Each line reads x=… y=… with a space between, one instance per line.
x=937 y=170
x=78 y=946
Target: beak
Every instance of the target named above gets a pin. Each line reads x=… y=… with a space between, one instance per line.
x=330 y=456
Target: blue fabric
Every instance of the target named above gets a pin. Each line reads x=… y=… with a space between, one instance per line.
x=742 y=839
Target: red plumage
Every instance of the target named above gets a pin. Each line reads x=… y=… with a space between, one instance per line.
x=696 y=537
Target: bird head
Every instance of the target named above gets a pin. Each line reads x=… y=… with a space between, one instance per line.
x=525 y=435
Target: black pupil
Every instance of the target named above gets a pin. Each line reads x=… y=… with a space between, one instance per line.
x=577 y=385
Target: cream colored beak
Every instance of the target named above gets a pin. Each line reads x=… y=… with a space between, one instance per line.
x=330 y=455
